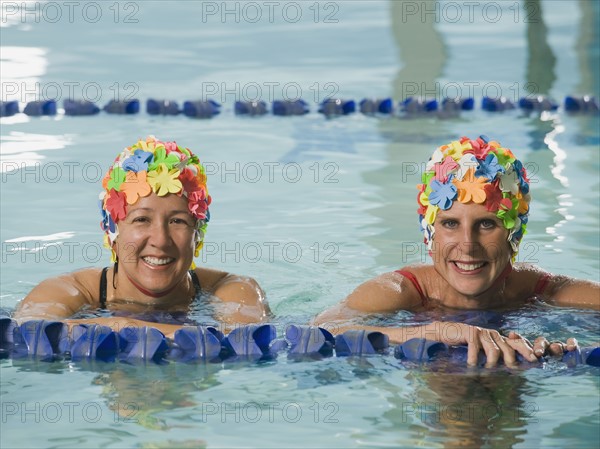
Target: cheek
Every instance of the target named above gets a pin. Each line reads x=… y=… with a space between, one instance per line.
x=186 y=242
x=443 y=244
x=498 y=247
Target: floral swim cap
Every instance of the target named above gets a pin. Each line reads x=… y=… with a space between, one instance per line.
x=153 y=166
x=475 y=171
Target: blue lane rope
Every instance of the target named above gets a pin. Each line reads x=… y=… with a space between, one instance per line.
x=49 y=340
x=204 y=109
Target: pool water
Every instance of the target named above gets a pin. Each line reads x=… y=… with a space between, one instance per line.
x=309 y=206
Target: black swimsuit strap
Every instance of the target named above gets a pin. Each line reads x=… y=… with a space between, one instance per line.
x=103 y=288
x=196 y=282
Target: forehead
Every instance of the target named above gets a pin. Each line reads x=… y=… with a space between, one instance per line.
x=167 y=203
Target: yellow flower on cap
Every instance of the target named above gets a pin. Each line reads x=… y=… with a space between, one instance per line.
x=164 y=181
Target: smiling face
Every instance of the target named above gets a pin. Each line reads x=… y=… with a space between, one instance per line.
x=156 y=242
x=470 y=247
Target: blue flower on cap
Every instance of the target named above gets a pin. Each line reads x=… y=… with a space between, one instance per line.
x=442 y=194
x=138 y=162
x=489 y=168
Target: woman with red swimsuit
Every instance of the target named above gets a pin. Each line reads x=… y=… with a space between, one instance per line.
x=473 y=210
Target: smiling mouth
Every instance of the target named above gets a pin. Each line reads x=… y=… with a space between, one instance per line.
x=158 y=261
x=469 y=266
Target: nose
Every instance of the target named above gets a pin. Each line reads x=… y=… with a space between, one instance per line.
x=470 y=244
x=160 y=235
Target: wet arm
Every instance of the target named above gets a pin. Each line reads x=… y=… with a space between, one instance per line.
x=569 y=292
x=390 y=293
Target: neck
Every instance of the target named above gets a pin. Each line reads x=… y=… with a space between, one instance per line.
x=148 y=292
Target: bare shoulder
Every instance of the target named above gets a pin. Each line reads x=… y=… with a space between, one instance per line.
x=389 y=292
x=557 y=288
x=61 y=296
x=526 y=272
x=209 y=277
x=83 y=283
x=229 y=286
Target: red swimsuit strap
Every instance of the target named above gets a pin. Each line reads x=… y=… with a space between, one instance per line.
x=542 y=283
x=412 y=278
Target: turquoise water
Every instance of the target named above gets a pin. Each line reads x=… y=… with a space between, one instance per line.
x=309 y=207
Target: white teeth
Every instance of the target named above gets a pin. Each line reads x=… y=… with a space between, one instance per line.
x=468 y=266
x=157 y=261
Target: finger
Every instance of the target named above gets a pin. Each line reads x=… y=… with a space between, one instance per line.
x=474 y=346
x=572 y=344
x=540 y=345
x=556 y=349
x=508 y=353
x=523 y=347
x=492 y=351
x=516 y=336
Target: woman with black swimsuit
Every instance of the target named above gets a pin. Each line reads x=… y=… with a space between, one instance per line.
x=155 y=211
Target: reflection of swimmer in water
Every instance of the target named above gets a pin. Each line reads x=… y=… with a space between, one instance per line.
x=165 y=387
x=473 y=210
x=154 y=214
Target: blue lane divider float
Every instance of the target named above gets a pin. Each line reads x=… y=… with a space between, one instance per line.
x=80 y=107
x=38 y=108
x=122 y=107
x=330 y=107
x=201 y=109
x=420 y=350
x=49 y=340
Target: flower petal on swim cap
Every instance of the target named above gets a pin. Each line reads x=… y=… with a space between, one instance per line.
x=138 y=162
x=437 y=157
x=135 y=186
x=431 y=214
x=471 y=188
x=456 y=148
x=508 y=212
x=509 y=181
x=162 y=158
x=442 y=194
x=493 y=196
x=443 y=170
x=466 y=162
x=164 y=181
x=117 y=177
x=115 y=205
x=489 y=168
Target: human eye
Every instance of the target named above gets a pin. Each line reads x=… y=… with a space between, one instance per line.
x=179 y=221
x=140 y=219
x=488 y=223
x=450 y=223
